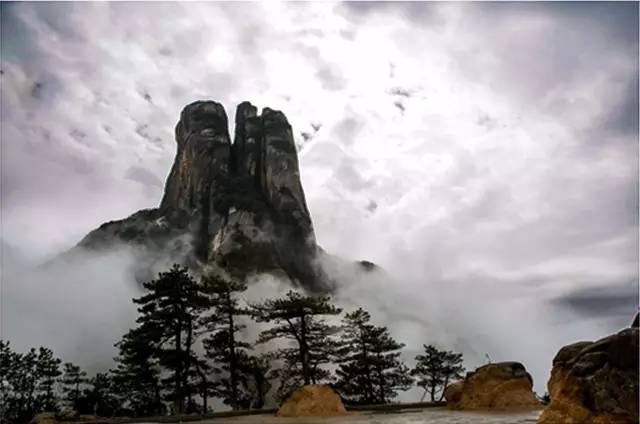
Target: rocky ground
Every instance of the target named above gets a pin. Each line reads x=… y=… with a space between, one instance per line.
x=428 y=415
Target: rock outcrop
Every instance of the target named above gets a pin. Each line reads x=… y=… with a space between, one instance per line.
x=238 y=206
x=499 y=386
x=314 y=400
x=595 y=382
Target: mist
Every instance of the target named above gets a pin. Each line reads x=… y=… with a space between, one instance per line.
x=78 y=306
x=485 y=320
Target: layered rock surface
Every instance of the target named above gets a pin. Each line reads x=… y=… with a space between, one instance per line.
x=499 y=386
x=313 y=400
x=238 y=206
x=595 y=382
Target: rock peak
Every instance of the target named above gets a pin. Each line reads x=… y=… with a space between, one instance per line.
x=241 y=204
x=242 y=189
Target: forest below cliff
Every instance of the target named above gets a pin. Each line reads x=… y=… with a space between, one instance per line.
x=190 y=346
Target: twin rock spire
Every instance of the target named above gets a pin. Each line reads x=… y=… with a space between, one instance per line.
x=238 y=206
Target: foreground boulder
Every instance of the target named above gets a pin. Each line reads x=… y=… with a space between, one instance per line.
x=499 y=386
x=595 y=382
x=314 y=400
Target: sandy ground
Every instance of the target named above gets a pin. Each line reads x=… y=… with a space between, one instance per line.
x=427 y=416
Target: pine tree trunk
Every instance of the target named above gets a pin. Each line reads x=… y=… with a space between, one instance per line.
x=76 y=395
x=304 y=351
x=187 y=367
x=368 y=377
x=157 y=397
x=232 y=355
x=204 y=395
x=49 y=401
x=178 y=383
x=444 y=387
x=259 y=392
x=381 y=383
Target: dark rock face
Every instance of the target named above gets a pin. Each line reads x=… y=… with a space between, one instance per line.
x=238 y=206
x=595 y=382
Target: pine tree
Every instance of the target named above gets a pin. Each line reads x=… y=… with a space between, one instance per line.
x=256 y=383
x=15 y=384
x=72 y=379
x=223 y=345
x=169 y=313
x=100 y=398
x=201 y=383
x=8 y=381
x=435 y=369
x=370 y=369
x=47 y=371
x=296 y=318
x=137 y=374
x=355 y=373
x=452 y=369
x=19 y=382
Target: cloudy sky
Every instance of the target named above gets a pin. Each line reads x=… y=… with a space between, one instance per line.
x=486 y=153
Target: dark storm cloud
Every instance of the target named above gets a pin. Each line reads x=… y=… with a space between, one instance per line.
x=610 y=299
x=623 y=115
x=619 y=18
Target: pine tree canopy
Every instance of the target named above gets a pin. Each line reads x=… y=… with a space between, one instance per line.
x=370 y=370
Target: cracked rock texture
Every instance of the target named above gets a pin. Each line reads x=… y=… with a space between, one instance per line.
x=501 y=386
x=235 y=206
x=595 y=382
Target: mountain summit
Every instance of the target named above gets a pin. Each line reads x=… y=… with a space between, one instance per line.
x=236 y=206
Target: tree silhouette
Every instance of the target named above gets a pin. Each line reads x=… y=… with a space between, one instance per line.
x=137 y=374
x=436 y=369
x=71 y=381
x=169 y=315
x=48 y=371
x=222 y=345
x=298 y=318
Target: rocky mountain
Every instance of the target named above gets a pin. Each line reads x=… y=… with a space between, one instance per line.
x=235 y=206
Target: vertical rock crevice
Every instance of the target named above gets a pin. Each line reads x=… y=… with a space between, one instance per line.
x=238 y=206
x=247 y=194
x=235 y=206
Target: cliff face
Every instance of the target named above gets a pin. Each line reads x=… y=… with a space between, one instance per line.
x=238 y=206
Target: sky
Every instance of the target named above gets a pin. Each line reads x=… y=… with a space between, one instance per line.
x=484 y=154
